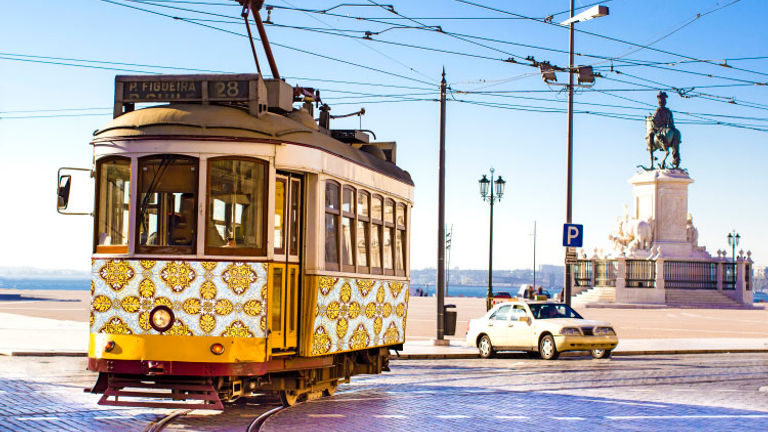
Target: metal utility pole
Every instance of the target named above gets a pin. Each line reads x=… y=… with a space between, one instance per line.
x=534 y=254
x=441 y=224
x=568 y=193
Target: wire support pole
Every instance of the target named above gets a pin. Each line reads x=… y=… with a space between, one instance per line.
x=441 y=220
x=569 y=180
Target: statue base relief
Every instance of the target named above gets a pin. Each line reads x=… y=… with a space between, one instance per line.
x=659 y=225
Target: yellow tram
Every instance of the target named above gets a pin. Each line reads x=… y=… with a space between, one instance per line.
x=239 y=246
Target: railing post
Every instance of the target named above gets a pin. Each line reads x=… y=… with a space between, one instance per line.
x=739 y=283
x=662 y=293
x=593 y=279
x=621 y=265
x=720 y=274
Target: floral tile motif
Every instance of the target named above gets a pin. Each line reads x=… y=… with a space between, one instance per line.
x=207 y=298
x=353 y=314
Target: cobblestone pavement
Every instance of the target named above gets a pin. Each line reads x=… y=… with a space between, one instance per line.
x=651 y=393
x=681 y=392
x=46 y=394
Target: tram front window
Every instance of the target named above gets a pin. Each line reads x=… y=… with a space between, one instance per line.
x=114 y=199
x=167 y=204
x=237 y=204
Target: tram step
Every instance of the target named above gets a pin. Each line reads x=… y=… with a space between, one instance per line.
x=161 y=393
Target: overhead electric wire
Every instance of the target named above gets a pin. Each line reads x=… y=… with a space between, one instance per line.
x=274 y=43
x=598 y=35
x=412 y=69
x=675 y=30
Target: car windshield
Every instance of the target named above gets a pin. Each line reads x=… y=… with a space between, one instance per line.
x=549 y=310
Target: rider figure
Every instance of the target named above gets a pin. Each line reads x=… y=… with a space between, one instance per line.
x=664 y=128
x=662 y=116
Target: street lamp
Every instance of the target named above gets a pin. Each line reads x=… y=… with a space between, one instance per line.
x=491 y=186
x=594 y=12
x=733 y=241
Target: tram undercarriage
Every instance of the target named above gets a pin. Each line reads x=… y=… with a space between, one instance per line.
x=293 y=379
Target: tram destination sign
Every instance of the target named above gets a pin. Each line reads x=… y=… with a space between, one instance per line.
x=184 y=88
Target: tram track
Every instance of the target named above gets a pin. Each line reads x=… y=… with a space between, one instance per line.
x=160 y=424
x=258 y=422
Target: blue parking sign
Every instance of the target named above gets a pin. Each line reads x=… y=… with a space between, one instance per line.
x=573 y=234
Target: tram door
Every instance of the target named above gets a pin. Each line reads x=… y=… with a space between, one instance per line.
x=285 y=274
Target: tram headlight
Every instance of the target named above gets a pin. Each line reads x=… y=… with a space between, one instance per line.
x=109 y=346
x=161 y=318
x=217 y=349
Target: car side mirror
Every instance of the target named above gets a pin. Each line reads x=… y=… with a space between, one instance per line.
x=65 y=182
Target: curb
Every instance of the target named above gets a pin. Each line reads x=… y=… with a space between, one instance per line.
x=43 y=354
x=458 y=356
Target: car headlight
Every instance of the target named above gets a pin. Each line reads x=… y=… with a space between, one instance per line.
x=604 y=331
x=161 y=318
x=570 y=331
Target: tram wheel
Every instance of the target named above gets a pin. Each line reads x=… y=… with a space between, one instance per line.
x=331 y=389
x=289 y=397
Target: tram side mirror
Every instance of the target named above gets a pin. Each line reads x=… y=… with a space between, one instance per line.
x=65 y=181
x=75 y=201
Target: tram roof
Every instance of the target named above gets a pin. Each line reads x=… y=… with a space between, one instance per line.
x=215 y=121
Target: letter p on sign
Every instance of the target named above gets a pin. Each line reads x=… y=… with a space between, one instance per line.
x=573 y=234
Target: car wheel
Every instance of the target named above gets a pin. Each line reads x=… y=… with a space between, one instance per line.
x=547 y=348
x=485 y=347
x=601 y=353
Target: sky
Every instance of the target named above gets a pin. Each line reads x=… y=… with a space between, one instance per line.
x=58 y=61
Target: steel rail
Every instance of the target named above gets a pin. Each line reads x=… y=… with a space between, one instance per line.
x=258 y=422
x=159 y=425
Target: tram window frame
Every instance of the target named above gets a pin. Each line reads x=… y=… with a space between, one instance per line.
x=334 y=213
x=401 y=210
x=285 y=211
x=238 y=251
x=101 y=207
x=377 y=225
x=348 y=215
x=168 y=249
x=363 y=220
x=388 y=227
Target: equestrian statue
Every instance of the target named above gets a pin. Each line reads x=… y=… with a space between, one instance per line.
x=662 y=135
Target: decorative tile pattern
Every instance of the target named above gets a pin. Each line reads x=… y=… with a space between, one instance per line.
x=353 y=314
x=207 y=298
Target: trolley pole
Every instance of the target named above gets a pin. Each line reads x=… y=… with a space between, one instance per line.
x=441 y=225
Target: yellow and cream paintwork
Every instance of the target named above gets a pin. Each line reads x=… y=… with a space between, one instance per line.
x=355 y=313
x=208 y=306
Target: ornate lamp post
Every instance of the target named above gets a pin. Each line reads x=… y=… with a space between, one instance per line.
x=733 y=241
x=487 y=189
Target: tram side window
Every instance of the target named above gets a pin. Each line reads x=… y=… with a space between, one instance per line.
x=237 y=205
x=113 y=197
x=167 y=213
x=388 y=235
x=400 y=240
x=376 y=222
x=363 y=218
x=347 y=223
x=332 y=212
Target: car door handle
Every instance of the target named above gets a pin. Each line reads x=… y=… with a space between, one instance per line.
x=490 y=324
x=510 y=325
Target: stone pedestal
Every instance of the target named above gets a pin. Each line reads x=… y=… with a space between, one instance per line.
x=660 y=198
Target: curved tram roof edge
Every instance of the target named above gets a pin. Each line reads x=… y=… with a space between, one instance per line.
x=214 y=122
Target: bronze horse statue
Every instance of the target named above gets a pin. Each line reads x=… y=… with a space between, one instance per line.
x=661 y=134
x=666 y=139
